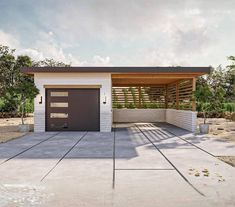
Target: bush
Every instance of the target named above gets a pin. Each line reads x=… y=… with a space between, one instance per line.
x=119 y=106
x=125 y=91
x=29 y=106
x=131 y=106
x=229 y=107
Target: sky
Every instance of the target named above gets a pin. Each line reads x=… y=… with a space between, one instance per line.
x=121 y=32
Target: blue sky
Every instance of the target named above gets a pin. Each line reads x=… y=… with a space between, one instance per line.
x=120 y=32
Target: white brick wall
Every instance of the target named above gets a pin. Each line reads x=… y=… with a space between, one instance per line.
x=184 y=119
x=106 y=122
x=180 y=118
x=103 y=79
x=139 y=115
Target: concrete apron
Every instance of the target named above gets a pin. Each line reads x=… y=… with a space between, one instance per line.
x=87 y=173
x=190 y=160
x=21 y=176
x=143 y=177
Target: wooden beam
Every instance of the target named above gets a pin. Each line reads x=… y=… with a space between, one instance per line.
x=158 y=76
x=194 y=89
x=136 y=85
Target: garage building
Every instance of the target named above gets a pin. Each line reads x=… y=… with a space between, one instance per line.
x=93 y=98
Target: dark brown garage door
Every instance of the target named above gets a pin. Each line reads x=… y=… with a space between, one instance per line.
x=72 y=110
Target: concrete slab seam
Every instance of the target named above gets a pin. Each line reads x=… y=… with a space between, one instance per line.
x=171 y=163
x=28 y=148
x=63 y=156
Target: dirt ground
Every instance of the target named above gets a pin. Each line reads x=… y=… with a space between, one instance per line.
x=228 y=159
x=221 y=128
x=9 y=128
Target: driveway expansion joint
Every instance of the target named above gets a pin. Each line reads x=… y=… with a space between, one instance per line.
x=170 y=162
x=25 y=150
x=43 y=178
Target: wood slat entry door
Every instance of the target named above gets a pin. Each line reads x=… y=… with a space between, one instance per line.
x=72 y=109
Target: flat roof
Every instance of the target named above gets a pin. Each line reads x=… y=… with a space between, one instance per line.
x=116 y=69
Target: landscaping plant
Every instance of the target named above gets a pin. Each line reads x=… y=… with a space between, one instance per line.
x=17 y=90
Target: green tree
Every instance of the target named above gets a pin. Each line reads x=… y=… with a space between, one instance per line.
x=220 y=77
x=17 y=88
x=24 y=87
x=7 y=67
x=7 y=79
x=231 y=78
x=202 y=96
x=26 y=90
x=14 y=84
x=49 y=62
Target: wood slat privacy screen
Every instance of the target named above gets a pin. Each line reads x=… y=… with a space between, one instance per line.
x=177 y=96
x=139 y=97
x=185 y=94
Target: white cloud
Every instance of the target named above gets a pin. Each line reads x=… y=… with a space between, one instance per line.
x=136 y=32
x=47 y=47
x=33 y=53
x=101 y=61
x=8 y=39
x=50 y=33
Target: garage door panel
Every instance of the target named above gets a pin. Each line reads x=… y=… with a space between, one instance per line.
x=86 y=105
x=58 y=124
x=74 y=110
x=59 y=99
x=59 y=110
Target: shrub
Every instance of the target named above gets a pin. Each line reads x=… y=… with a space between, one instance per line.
x=132 y=90
x=131 y=106
x=229 y=107
x=125 y=92
x=119 y=106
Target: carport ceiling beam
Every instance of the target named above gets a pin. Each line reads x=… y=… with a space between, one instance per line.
x=152 y=76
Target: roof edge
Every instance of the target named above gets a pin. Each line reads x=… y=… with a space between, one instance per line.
x=117 y=69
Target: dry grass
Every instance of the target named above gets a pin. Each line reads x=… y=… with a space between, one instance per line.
x=9 y=128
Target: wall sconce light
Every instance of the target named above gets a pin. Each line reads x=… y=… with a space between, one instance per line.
x=105 y=99
x=40 y=102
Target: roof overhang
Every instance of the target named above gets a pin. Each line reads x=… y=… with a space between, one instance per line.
x=118 y=70
x=128 y=76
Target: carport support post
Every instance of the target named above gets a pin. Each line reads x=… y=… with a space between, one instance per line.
x=193 y=89
x=177 y=95
x=139 y=90
x=166 y=97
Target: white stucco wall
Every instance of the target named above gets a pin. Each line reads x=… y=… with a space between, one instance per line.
x=181 y=118
x=103 y=79
x=139 y=115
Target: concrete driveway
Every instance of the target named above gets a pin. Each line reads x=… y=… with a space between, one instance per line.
x=135 y=165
